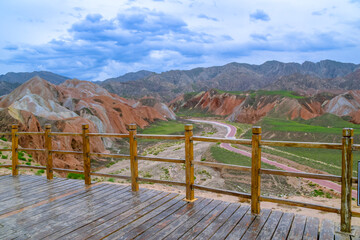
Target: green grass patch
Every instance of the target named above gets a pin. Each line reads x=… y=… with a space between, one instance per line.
x=164 y=128
x=326 y=124
x=75 y=176
x=225 y=156
x=283 y=93
x=39 y=172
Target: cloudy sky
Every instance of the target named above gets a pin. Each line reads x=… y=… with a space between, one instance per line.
x=95 y=40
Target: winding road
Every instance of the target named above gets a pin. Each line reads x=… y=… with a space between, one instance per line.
x=231 y=131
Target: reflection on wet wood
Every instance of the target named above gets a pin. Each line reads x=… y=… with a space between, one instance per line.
x=37 y=208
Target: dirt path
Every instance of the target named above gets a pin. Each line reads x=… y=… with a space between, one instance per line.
x=231 y=131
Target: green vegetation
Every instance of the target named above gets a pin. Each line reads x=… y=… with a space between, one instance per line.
x=225 y=156
x=28 y=163
x=4 y=139
x=40 y=172
x=283 y=93
x=189 y=95
x=111 y=180
x=75 y=176
x=166 y=175
x=164 y=128
x=326 y=128
x=4 y=157
x=328 y=123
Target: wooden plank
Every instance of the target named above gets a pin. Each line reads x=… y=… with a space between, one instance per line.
x=299 y=204
x=242 y=226
x=301 y=144
x=257 y=225
x=178 y=232
x=301 y=174
x=48 y=147
x=269 y=228
x=177 y=218
x=229 y=225
x=51 y=206
x=14 y=147
x=223 y=166
x=346 y=179
x=66 y=220
x=255 y=167
x=222 y=140
x=115 y=135
x=161 y=137
x=189 y=166
x=311 y=228
x=42 y=218
x=147 y=221
x=41 y=214
x=15 y=204
x=29 y=189
x=14 y=183
x=86 y=151
x=327 y=230
x=283 y=229
x=297 y=228
x=121 y=204
x=218 y=222
x=158 y=159
x=221 y=191
x=133 y=161
x=201 y=225
x=20 y=201
x=123 y=216
x=96 y=226
x=21 y=188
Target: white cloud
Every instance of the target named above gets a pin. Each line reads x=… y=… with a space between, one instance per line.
x=93 y=40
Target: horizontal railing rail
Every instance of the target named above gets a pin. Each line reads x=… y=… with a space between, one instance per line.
x=347 y=147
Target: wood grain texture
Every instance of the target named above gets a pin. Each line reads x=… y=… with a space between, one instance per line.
x=33 y=207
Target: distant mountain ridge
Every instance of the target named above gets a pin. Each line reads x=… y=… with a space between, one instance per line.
x=239 y=77
x=22 y=77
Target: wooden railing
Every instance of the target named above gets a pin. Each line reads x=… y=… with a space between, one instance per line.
x=347 y=147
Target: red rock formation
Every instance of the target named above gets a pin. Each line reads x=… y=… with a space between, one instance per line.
x=67 y=107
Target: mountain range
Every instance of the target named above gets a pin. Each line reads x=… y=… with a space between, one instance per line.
x=272 y=75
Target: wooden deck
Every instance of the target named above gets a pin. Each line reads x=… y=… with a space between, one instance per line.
x=33 y=207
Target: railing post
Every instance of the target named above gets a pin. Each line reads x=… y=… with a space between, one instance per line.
x=133 y=158
x=346 y=175
x=255 y=169
x=14 y=148
x=86 y=153
x=189 y=166
x=48 y=148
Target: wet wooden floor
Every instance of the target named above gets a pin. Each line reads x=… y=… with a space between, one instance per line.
x=32 y=207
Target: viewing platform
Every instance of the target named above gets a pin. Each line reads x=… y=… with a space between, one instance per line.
x=37 y=208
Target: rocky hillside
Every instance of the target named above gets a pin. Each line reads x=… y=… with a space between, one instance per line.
x=250 y=107
x=69 y=105
x=239 y=77
x=11 y=80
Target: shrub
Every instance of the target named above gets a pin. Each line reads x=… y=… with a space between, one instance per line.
x=4 y=139
x=22 y=158
x=4 y=157
x=40 y=172
x=75 y=176
x=111 y=180
x=27 y=163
